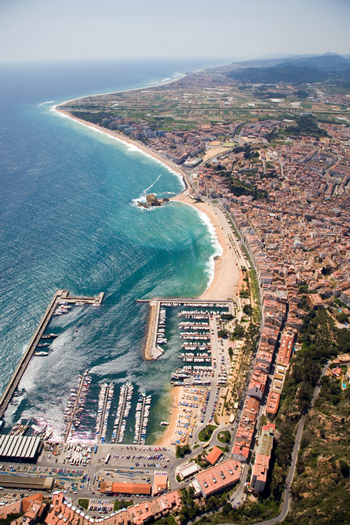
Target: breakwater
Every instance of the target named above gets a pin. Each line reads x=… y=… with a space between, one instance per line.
x=61 y=296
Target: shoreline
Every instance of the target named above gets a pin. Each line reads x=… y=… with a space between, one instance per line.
x=131 y=142
x=225 y=281
x=227 y=275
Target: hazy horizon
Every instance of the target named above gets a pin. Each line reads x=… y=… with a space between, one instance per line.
x=233 y=31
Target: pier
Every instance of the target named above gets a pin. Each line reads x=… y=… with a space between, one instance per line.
x=76 y=404
x=60 y=296
x=138 y=431
x=152 y=350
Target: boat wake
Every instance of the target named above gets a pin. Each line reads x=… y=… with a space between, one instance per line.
x=142 y=197
x=48 y=102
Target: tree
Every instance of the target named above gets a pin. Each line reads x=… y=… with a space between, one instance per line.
x=230 y=351
x=238 y=331
x=248 y=309
x=226 y=508
x=342 y=318
x=222 y=333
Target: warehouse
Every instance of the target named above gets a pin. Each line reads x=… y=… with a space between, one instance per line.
x=26 y=482
x=19 y=448
x=108 y=487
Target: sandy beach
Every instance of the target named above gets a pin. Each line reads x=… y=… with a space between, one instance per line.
x=119 y=136
x=167 y=437
x=227 y=274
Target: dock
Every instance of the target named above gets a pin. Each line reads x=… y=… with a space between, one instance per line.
x=152 y=350
x=69 y=426
x=60 y=296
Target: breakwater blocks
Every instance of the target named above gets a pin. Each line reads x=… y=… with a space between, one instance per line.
x=61 y=298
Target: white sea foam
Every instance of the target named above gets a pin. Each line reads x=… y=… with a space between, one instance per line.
x=48 y=102
x=129 y=147
x=210 y=270
x=142 y=197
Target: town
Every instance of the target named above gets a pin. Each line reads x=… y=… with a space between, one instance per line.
x=279 y=174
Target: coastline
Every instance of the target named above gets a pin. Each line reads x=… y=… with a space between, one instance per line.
x=227 y=275
x=131 y=142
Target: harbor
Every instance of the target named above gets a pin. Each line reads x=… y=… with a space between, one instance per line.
x=157 y=319
x=61 y=296
x=123 y=410
x=91 y=412
x=75 y=404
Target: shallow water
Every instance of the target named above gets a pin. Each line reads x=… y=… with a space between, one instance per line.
x=69 y=221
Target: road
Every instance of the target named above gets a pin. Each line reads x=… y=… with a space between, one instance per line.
x=294 y=459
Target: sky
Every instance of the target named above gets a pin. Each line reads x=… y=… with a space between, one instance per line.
x=236 y=29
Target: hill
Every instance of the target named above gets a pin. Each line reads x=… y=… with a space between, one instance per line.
x=272 y=75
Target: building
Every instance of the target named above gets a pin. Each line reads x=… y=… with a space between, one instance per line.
x=19 y=448
x=153 y=510
x=214 y=455
x=187 y=470
x=160 y=483
x=62 y=512
x=272 y=403
x=26 y=482
x=219 y=478
x=262 y=460
x=31 y=507
x=108 y=487
x=314 y=301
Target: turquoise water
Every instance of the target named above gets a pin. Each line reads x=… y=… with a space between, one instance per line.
x=69 y=221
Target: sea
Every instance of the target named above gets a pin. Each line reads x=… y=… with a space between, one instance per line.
x=69 y=220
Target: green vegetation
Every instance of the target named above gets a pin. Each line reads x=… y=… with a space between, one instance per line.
x=224 y=437
x=181 y=451
x=321 y=487
x=306 y=126
x=191 y=507
x=238 y=332
x=168 y=520
x=342 y=318
x=248 y=309
x=226 y=317
x=271 y=75
x=206 y=433
x=238 y=187
x=83 y=503
x=94 y=118
x=10 y=518
x=222 y=333
x=121 y=504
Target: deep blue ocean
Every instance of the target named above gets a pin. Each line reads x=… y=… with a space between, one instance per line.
x=69 y=221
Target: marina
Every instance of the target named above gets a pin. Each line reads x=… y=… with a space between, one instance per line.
x=157 y=319
x=60 y=297
x=75 y=405
x=104 y=407
x=141 y=419
x=123 y=410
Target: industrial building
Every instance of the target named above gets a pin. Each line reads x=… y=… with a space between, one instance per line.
x=26 y=482
x=19 y=448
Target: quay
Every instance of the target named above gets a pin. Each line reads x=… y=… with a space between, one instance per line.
x=152 y=350
x=60 y=295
